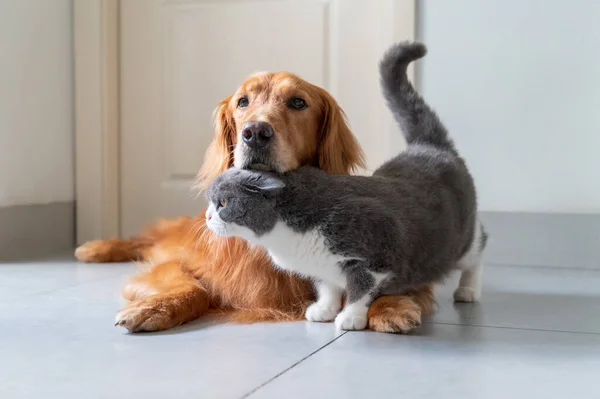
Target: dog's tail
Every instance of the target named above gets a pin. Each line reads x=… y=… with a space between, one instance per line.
x=418 y=122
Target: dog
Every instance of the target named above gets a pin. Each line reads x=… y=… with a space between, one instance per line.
x=274 y=121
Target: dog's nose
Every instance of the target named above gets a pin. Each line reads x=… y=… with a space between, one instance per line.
x=257 y=134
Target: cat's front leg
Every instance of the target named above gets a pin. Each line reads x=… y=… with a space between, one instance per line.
x=328 y=305
x=354 y=315
x=361 y=290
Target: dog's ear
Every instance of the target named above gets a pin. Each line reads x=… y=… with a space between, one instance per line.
x=218 y=157
x=338 y=148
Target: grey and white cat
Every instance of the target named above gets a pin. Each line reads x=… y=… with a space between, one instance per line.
x=410 y=224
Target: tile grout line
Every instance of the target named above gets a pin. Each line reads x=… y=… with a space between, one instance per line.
x=535 y=266
x=511 y=328
x=292 y=366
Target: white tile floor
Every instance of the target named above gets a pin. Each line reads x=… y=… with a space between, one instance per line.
x=536 y=334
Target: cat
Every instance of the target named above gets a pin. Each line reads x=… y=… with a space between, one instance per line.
x=411 y=223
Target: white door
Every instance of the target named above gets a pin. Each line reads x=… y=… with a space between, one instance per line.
x=179 y=58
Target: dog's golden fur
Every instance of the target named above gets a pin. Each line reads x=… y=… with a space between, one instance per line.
x=193 y=271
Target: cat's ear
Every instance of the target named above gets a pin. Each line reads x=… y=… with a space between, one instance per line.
x=265 y=184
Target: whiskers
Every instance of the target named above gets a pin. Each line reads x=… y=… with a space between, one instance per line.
x=227 y=242
x=196 y=232
x=220 y=239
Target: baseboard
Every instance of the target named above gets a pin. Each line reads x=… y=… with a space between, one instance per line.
x=29 y=231
x=529 y=239
x=543 y=239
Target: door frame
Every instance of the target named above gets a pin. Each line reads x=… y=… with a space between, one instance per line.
x=96 y=53
x=97 y=120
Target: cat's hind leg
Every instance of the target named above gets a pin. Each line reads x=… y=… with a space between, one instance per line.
x=328 y=304
x=469 y=287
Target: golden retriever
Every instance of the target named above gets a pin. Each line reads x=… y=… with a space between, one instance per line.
x=274 y=121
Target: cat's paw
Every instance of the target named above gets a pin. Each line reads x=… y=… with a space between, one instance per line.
x=351 y=321
x=320 y=312
x=466 y=294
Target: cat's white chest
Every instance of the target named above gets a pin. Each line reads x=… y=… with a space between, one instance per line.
x=303 y=253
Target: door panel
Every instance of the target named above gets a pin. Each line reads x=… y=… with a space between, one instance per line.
x=180 y=58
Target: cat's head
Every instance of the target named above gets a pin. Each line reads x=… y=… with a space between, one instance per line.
x=242 y=203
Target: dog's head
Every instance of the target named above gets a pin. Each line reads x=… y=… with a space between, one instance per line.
x=278 y=122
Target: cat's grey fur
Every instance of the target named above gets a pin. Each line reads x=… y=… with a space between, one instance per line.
x=410 y=224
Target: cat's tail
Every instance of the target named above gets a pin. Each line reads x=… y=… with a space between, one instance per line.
x=418 y=122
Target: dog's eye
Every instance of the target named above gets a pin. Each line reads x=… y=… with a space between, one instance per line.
x=297 y=103
x=222 y=203
x=243 y=102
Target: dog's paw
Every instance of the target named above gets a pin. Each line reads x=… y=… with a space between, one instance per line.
x=350 y=321
x=93 y=251
x=392 y=315
x=466 y=294
x=141 y=315
x=319 y=312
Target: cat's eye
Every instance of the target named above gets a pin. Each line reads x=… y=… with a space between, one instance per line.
x=222 y=203
x=297 y=103
x=243 y=102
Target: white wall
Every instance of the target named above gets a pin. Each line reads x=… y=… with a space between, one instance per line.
x=518 y=84
x=36 y=102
